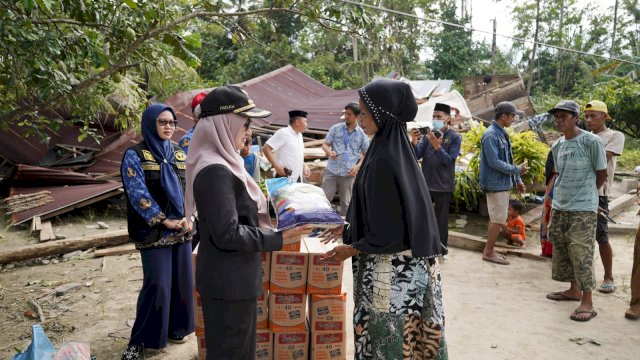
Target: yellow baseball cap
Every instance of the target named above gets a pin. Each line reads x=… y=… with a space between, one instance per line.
x=596 y=105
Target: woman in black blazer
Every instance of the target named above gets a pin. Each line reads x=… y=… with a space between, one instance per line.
x=233 y=221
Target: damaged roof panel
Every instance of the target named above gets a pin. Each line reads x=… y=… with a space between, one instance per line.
x=65 y=199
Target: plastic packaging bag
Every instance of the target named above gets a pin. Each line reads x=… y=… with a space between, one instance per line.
x=73 y=351
x=300 y=204
x=40 y=348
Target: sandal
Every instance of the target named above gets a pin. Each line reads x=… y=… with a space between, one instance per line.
x=561 y=296
x=574 y=317
x=607 y=288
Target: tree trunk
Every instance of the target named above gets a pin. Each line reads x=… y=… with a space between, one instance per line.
x=560 y=52
x=8 y=255
x=535 y=46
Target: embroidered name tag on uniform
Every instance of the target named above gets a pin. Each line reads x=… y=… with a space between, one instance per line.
x=150 y=167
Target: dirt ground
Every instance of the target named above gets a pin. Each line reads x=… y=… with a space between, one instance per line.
x=492 y=311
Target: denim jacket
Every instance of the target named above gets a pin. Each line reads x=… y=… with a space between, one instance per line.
x=497 y=172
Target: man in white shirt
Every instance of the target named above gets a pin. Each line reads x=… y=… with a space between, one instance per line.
x=288 y=159
x=596 y=114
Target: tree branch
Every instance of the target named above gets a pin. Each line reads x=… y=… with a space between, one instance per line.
x=121 y=62
x=66 y=21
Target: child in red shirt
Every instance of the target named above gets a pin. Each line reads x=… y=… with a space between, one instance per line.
x=513 y=230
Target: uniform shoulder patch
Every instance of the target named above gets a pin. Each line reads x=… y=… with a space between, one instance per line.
x=147 y=155
x=180 y=155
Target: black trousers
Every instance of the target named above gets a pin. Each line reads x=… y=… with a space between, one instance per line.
x=441 y=202
x=230 y=328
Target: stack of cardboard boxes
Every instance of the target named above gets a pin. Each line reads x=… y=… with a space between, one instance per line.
x=301 y=315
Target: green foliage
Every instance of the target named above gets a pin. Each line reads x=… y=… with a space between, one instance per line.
x=90 y=59
x=629 y=159
x=621 y=96
x=525 y=146
x=467 y=190
x=455 y=55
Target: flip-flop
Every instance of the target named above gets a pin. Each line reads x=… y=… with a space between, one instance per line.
x=560 y=296
x=607 y=288
x=592 y=314
x=496 y=260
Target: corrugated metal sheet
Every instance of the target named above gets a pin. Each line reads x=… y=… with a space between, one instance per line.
x=65 y=198
x=34 y=176
x=279 y=91
x=16 y=147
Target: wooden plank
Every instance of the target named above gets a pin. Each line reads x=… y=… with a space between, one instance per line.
x=19 y=253
x=622 y=229
x=314 y=143
x=115 y=250
x=46 y=232
x=533 y=215
x=36 y=224
x=619 y=204
x=476 y=243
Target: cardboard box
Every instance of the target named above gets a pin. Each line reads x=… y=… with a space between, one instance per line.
x=287 y=312
x=292 y=244
x=288 y=272
x=328 y=312
x=202 y=348
x=264 y=345
x=262 y=317
x=324 y=276
x=266 y=269
x=328 y=345
x=291 y=345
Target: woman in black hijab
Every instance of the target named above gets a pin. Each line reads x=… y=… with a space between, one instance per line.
x=393 y=237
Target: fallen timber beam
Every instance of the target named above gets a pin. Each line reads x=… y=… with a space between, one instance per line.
x=476 y=243
x=63 y=246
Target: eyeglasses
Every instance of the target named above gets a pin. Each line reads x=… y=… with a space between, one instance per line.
x=172 y=123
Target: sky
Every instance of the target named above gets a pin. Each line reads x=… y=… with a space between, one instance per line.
x=483 y=11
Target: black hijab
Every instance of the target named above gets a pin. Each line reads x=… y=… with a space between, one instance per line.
x=390 y=209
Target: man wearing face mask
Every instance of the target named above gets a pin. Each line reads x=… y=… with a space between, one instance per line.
x=439 y=150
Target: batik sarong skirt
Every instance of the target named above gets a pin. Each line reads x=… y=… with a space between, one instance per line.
x=398 y=310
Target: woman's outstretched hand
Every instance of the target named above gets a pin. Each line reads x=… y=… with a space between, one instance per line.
x=331 y=235
x=340 y=253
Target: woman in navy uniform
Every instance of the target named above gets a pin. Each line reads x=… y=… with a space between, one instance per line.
x=153 y=175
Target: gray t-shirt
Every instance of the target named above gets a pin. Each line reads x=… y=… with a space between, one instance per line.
x=577 y=161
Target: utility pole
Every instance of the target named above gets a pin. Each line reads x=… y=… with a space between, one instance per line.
x=615 y=25
x=535 y=46
x=493 y=47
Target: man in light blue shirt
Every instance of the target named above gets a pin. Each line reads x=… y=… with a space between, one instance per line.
x=581 y=164
x=345 y=145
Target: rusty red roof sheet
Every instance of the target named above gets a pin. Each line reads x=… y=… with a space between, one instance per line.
x=34 y=176
x=279 y=91
x=16 y=147
x=65 y=199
